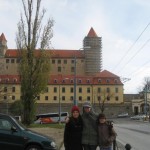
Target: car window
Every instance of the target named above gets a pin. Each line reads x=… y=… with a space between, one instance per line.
x=5 y=124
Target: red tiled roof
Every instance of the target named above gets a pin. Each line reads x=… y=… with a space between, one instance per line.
x=68 y=80
x=106 y=73
x=2 y=37
x=92 y=33
x=54 y=53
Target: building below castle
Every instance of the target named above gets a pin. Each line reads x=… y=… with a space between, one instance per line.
x=72 y=71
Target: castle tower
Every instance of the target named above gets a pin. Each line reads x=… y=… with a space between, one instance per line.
x=93 y=54
x=3 y=45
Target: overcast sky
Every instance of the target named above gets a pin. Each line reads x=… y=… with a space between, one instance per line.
x=122 y=24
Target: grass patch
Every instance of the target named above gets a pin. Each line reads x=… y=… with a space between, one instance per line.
x=56 y=125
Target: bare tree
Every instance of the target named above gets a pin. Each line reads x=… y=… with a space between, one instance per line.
x=34 y=65
x=104 y=97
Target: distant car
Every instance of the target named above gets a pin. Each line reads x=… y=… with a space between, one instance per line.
x=138 y=117
x=123 y=115
x=14 y=136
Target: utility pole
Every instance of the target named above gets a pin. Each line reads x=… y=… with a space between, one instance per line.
x=75 y=81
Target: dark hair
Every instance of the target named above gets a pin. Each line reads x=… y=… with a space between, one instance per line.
x=101 y=116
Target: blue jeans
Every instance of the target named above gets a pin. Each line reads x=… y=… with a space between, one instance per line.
x=104 y=148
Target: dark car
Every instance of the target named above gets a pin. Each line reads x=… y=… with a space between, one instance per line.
x=14 y=136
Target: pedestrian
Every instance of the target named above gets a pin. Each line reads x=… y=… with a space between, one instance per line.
x=106 y=133
x=73 y=131
x=89 y=133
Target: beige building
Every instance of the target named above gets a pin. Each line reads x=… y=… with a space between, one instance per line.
x=80 y=68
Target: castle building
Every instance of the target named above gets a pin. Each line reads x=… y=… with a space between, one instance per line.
x=82 y=68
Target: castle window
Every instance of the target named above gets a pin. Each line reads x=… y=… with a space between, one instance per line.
x=63 y=98
x=38 y=97
x=71 y=98
x=65 y=61
x=79 y=81
x=13 y=97
x=46 y=98
x=116 y=90
x=6 y=80
x=13 y=89
x=55 y=81
x=107 y=90
x=108 y=98
x=80 y=90
x=99 y=81
x=53 y=61
x=59 y=61
x=107 y=81
x=80 y=98
x=98 y=90
x=88 y=98
x=88 y=81
x=63 y=81
x=55 y=98
x=116 y=98
x=14 y=80
x=55 y=89
x=71 y=90
x=72 y=61
x=72 y=69
x=99 y=98
x=88 y=90
x=7 y=60
x=12 y=60
x=71 y=80
x=63 y=90
x=59 y=69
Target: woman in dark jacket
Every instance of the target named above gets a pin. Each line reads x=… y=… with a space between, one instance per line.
x=73 y=131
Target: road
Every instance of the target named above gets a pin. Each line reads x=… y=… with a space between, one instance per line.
x=136 y=133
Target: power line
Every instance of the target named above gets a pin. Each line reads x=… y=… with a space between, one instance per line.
x=135 y=54
x=138 y=70
x=122 y=58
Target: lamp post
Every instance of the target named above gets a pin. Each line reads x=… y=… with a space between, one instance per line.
x=60 y=101
x=75 y=102
x=59 y=106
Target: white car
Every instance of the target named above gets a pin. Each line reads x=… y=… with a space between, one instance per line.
x=123 y=115
x=138 y=117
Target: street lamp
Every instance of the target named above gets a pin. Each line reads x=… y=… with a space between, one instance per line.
x=75 y=102
x=60 y=101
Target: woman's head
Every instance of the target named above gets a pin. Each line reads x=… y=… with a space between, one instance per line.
x=75 y=111
x=101 y=118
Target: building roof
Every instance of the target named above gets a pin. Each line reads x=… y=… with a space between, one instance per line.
x=57 y=53
x=67 y=79
x=92 y=33
x=107 y=74
x=2 y=37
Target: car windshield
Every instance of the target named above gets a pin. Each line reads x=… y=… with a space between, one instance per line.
x=19 y=124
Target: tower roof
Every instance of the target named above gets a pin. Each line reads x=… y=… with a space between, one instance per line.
x=2 y=37
x=92 y=33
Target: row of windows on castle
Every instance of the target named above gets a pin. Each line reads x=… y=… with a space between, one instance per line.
x=53 y=61
x=63 y=98
x=63 y=89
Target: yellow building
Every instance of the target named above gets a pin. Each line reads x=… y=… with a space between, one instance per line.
x=76 y=75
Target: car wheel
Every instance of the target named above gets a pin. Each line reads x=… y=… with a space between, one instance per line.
x=33 y=147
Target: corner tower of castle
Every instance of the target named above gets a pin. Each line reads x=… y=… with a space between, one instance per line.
x=93 y=53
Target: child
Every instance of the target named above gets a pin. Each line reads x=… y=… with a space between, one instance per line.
x=73 y=131
x=106 y=133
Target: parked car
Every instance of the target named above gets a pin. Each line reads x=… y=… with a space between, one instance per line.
x=14 y=136
x=138 y=117
x=123 y=115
